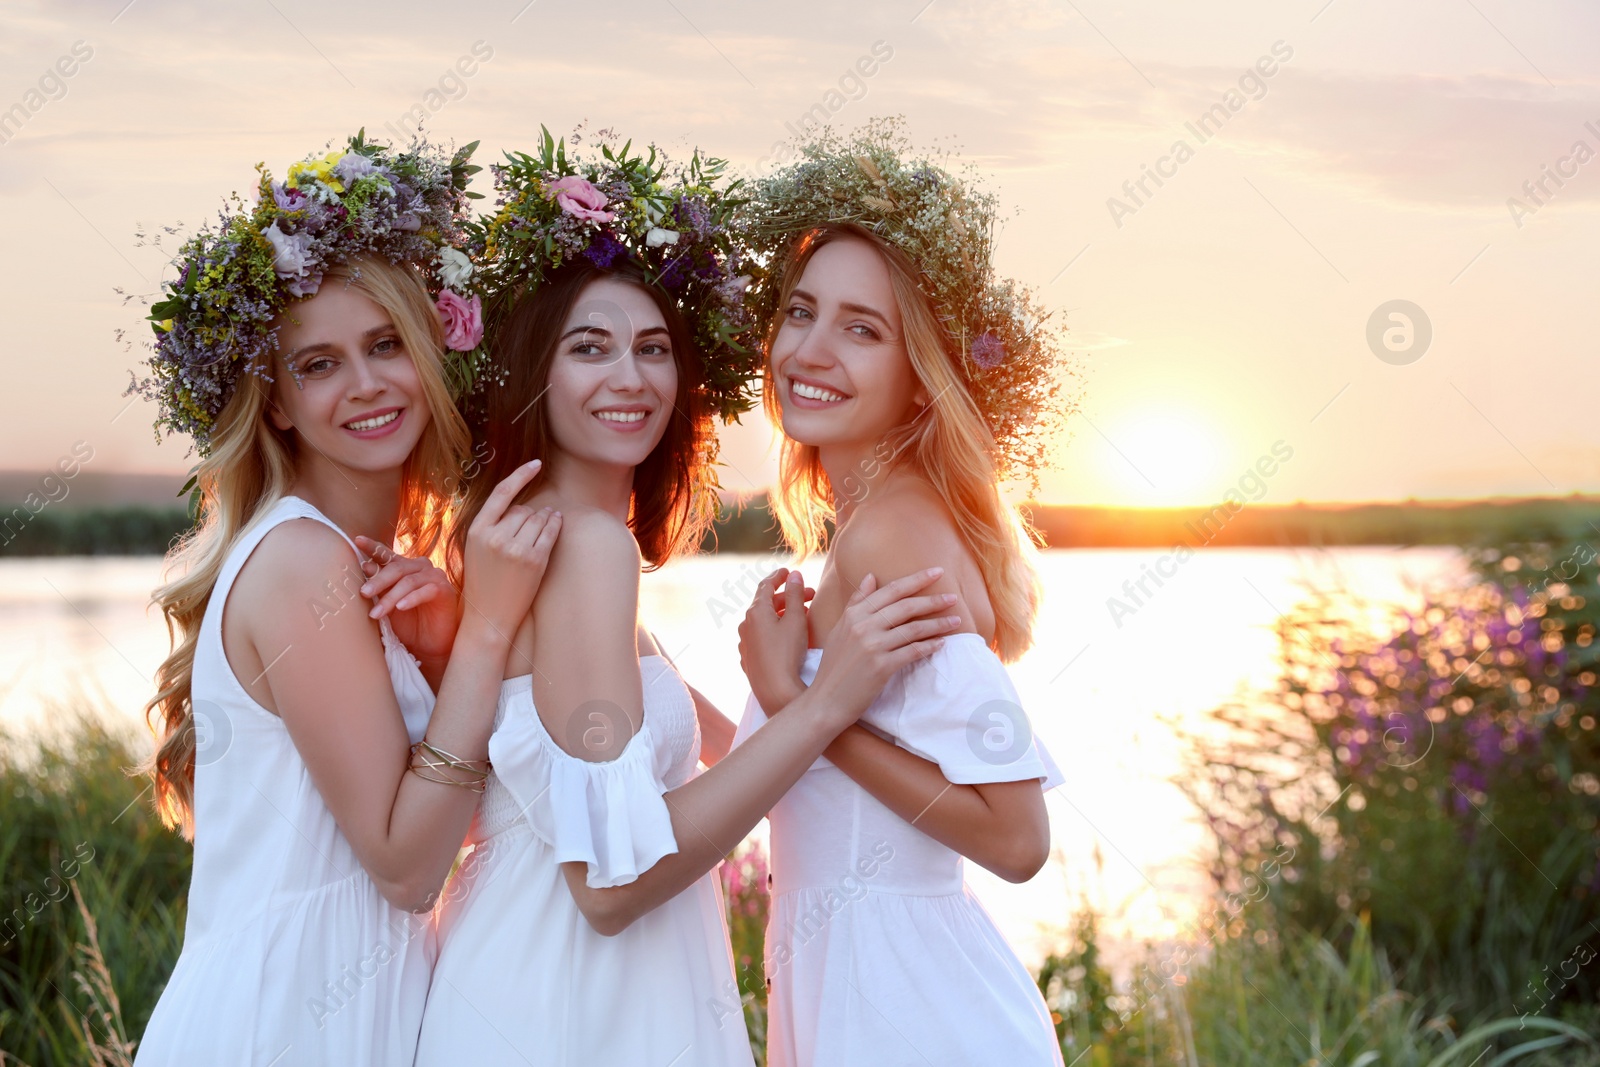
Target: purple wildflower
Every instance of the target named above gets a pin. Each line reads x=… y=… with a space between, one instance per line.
x=604 y=250
x=352 y=167
x=988 y=351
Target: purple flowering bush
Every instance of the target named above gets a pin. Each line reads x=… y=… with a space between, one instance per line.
x=1437 y=772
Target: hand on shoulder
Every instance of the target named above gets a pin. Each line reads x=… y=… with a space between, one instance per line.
x=904 y=531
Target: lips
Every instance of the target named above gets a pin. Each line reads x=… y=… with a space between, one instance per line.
x=376 y=423
x=373 y=422
x=624 y=418
x=815 y=393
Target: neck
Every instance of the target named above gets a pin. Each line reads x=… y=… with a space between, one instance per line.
x=605 y=486
x=855 y=469
x=359 y=502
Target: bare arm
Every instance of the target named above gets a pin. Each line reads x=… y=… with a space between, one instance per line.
x=716 y=729
x=878 y=634
x=326 y=677
x=1001 y=826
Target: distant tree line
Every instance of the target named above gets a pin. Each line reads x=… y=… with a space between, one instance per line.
x=749 y=526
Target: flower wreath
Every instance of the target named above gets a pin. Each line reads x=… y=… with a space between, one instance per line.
x=214 y=322
x=1007 y=350
x=675 y=222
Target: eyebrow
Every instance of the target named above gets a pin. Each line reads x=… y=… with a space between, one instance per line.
x=387 y=327
x=860 y=309
x=591 y=328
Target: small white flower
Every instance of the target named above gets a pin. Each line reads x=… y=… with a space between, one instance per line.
x=454 y=267
x=658 y=237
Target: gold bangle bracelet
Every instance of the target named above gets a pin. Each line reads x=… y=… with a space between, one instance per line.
x=451 y=759
x=477 y=785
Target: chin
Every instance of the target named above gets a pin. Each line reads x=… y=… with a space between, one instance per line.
x=818 y=428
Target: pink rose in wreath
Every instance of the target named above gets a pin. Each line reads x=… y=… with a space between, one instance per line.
x=462 y=319
x=580 y=199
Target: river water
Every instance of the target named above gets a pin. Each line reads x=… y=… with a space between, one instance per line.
x=1103 y=690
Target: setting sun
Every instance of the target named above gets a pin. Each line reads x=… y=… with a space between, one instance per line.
x=1163 y=455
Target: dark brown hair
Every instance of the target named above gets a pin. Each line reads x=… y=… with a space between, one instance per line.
x=674 y=498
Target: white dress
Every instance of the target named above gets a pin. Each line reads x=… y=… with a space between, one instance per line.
x=290 y=954
x=522 y=978
x=877 y=954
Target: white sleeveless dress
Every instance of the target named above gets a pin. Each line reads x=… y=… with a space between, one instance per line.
x=877 y=954
x=522 y=978
x=290 y=954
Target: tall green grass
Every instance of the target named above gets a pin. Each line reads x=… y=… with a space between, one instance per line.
x=93 y=890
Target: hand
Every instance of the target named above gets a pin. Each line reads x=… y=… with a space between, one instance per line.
x=414 y=595
x=507 y=549
x=772 y=639
x=880 y=631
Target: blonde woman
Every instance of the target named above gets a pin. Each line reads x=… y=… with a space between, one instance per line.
x=301 y=745
x=888 y=325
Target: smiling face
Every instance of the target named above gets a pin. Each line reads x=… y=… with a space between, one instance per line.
x=613 y=377
x=839 y=361
x=349 y=389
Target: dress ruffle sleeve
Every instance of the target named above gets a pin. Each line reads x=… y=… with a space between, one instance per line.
x=609 y=815
x=959 y=709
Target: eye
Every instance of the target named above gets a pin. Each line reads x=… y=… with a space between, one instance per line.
x=798 y=311
x=655 y=348
x=387 y=346
x=588 y=348
x=861 y=329
x=317 y=366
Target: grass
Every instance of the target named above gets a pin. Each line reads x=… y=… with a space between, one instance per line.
x=1263 y=998
x=96 y=890
x=93 y=889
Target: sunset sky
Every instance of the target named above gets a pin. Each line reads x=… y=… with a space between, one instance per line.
x=1215 y=314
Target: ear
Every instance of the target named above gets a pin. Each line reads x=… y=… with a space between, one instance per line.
x=279 y=419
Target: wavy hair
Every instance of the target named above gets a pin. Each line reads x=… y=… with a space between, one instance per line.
x=251 y=466
x=674 y=492
x=947 y=443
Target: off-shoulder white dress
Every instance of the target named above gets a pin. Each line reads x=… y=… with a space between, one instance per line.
x=522 y=978
x=290 y=954
x=877 y=953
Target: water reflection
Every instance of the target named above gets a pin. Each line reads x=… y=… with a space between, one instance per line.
x=1101 y=686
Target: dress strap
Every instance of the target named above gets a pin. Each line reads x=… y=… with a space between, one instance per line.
x=287 y=508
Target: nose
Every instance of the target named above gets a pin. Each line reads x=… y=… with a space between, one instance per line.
x=365 y=382
x=625 y=376
x=812 y=349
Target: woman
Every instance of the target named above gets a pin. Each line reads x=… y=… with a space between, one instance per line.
x=302 y=351
x=876 y=952
x=591 y=929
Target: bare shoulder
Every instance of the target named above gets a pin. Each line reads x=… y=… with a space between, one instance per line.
x=300 y=557
x=592 y=538
x=596 y=556
x=908 y=529
x=897 y=532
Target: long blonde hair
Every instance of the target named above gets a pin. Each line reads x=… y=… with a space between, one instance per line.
x=250 y=467
x=947 y=443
